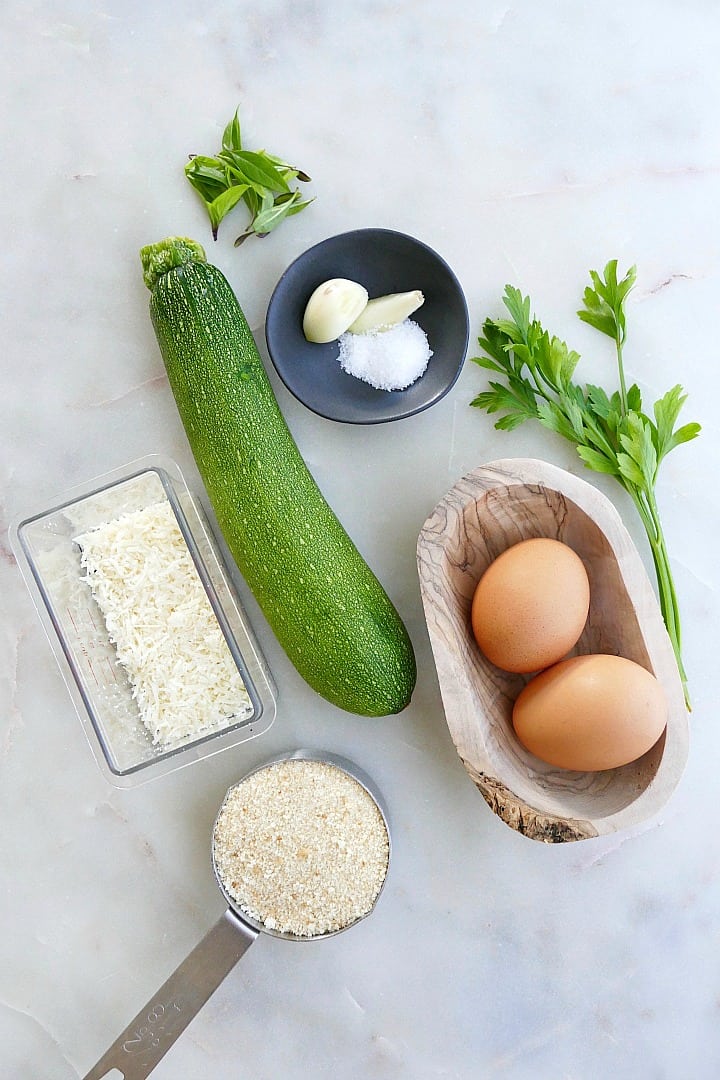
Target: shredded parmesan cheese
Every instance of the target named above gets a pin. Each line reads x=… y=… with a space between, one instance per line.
x=302 y=847
x=159 y=618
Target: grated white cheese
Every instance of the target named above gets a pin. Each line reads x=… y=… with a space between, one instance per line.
x=158 y=616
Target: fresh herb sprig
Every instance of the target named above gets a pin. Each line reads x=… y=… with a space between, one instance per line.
x=611 y=432
x=260 y=180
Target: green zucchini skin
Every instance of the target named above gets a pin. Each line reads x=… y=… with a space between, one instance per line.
x=322 y=601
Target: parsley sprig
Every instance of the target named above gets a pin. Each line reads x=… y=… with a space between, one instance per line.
x=260 y=180
x=611 y=432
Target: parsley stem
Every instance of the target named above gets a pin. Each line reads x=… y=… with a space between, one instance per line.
x=621 y=371
x=647 y=508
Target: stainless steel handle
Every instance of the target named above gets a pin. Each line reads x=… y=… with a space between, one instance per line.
x=148 y=1037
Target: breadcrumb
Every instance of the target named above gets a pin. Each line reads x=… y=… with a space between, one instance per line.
x=301 y=847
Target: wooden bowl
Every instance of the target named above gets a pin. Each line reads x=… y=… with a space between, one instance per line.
x=486 y=512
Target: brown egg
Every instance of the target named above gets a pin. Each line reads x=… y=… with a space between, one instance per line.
x=590 y=713
x=530 y=605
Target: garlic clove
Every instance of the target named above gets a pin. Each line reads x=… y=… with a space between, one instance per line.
x=386 y=311
x=331 y=308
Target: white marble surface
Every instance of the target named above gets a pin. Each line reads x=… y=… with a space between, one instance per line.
x=526 y=142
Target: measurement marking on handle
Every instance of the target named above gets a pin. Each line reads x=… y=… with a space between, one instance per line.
x=160 y=1020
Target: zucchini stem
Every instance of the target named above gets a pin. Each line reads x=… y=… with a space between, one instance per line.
x=158 y=259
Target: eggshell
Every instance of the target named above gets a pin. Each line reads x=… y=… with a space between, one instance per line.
x=531 y=604
x=590 y=713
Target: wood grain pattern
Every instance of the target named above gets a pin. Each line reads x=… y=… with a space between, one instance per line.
x=486 y=512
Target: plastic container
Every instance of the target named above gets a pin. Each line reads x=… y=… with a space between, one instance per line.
x=49 y=558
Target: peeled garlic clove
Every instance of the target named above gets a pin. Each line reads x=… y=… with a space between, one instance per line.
x=331 y=309
x=386 y=311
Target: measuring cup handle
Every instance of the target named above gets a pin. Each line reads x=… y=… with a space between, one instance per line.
x=148 y=1037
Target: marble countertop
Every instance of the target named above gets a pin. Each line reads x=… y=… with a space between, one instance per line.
x=526 y=143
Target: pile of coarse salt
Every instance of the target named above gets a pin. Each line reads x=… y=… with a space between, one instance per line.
x=387 y=359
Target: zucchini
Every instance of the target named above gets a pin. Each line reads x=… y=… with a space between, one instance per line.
x=322 y=601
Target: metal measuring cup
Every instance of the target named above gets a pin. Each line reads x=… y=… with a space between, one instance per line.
x=149 y=1036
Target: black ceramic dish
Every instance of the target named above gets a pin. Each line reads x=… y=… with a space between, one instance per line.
x=384 y=262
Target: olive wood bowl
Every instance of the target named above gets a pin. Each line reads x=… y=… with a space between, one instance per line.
x=487 y=511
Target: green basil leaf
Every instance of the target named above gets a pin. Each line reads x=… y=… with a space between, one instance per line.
x=223 y=204
x=231 y=139
x=259 y=171
x=260 y=180
x=270 y=217
x=207 y=176
x=296 y=205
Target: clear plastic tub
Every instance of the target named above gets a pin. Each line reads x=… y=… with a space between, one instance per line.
x=48 y=555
